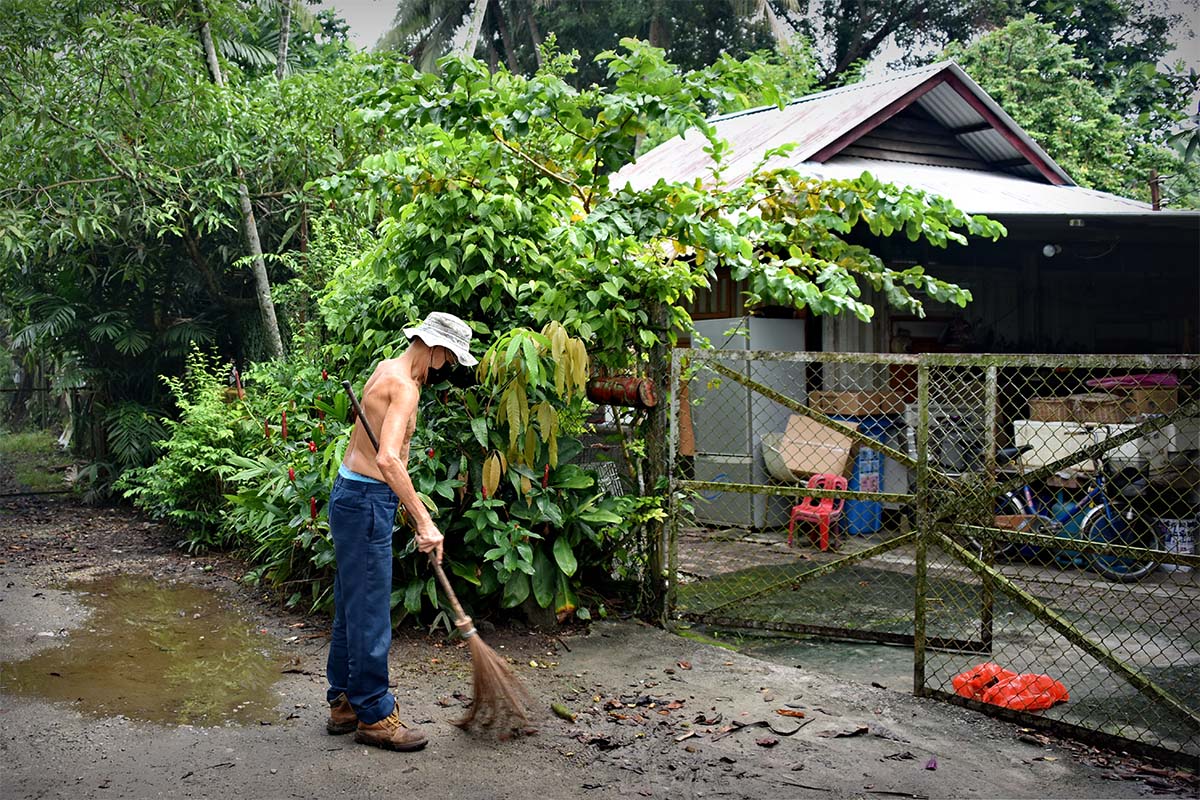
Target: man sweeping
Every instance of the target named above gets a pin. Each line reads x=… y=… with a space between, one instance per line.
x=362 y=508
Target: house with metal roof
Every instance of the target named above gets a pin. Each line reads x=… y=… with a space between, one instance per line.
x=1081 y=271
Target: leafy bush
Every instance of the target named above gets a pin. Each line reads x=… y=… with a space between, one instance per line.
x=278 y=515
x=187 y=483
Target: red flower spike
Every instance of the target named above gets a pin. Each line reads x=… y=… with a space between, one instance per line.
x=324 y=375
x=283 y=427
x=291 y=474
x=320 y=414
x=484 y=493
x=312 y=447
x=312 y=507
x=546 y=476
x=267 y=428
x=429 y=452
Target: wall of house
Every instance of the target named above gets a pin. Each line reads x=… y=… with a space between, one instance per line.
x=1132 y=287
x=1102 y=291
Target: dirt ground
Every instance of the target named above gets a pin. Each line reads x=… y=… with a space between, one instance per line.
x=657 y=715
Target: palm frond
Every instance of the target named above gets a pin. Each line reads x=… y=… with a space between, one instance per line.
x=246 y=53
x=180 y=337
x=133 y=430
x=50 y=318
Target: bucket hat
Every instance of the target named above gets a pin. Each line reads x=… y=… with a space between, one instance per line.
x=449 y=332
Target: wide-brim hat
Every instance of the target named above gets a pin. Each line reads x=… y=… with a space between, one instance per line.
x=448 y=331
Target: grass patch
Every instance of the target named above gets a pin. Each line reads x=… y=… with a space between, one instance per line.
x=696 y=636
x=29 y=457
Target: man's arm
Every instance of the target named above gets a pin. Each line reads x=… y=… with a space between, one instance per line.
x=401 y=408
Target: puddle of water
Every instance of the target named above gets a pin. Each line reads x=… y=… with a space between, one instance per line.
x=160 y=653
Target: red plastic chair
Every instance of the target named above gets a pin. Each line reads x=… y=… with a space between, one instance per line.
x=824 y=511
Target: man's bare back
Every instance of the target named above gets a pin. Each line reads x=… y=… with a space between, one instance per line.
x=381 y=389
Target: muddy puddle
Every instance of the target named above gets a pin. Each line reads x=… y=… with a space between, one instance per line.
x=161 y=653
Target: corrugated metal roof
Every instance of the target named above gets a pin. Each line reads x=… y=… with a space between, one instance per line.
x=818 y=121
x=992 y=193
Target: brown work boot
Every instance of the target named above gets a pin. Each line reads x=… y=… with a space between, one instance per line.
x=342 y=718
x=390 y=733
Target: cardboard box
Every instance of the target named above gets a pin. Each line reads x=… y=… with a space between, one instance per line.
x=1156 y=400
x=1096 y=407
x=856 y=404
x=806 y=448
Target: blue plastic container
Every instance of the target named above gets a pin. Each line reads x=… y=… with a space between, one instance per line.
x=866 y=516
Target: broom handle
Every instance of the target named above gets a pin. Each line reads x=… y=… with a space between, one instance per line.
x=461 y=620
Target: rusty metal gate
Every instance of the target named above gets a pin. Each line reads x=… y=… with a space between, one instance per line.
x=1038 y=513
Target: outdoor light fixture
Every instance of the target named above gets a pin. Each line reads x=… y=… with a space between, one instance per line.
x=1051 y=250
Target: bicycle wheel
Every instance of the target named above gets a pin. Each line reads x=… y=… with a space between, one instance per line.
x=1111 y=528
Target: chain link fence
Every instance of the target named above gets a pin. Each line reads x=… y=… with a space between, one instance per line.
x=1034 y=513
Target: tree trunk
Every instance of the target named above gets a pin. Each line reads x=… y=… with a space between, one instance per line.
x=535 y=33
x=502 y=26
x=285 y=30
x=655 y=473
x=466 y=39
x=261 y=282
x=660 y=25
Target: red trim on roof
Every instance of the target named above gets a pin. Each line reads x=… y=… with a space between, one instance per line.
x=1024 y=149
x=875 y=120
x=908 y=98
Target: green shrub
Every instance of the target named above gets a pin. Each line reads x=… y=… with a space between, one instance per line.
x=186 y=485
x=277 y=514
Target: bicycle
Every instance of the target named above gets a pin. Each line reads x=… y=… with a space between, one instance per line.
x=1104 y=514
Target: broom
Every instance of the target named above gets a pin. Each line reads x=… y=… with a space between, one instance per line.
x=499 y=698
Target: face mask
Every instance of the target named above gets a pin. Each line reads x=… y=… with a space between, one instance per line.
x=435 y=376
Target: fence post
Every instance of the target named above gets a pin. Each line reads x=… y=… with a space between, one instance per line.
x=924 y=521
x=991 y=396
x=672 y=531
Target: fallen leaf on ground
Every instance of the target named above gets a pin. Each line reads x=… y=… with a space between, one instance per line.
x=787 y=712
x=766 y=741
x=684 y=664
x=931 y=764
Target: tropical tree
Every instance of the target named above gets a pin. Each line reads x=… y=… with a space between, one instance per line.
x=512 y=31
x=848 y=33
x=119 y=217
x=1040 y=80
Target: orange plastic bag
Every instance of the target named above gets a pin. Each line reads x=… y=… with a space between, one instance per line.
x=1027 y=692
x=978 y=679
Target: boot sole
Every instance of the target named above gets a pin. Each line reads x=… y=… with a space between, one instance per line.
x=338 y=730
x=386 y=744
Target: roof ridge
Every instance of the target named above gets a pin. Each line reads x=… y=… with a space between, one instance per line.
x=933 y=68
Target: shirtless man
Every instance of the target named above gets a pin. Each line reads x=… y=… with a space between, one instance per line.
x=362 y=508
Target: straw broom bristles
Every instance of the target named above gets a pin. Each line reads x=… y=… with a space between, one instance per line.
x=500 y=700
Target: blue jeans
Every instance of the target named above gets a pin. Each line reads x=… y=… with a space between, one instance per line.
x=361 y=516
